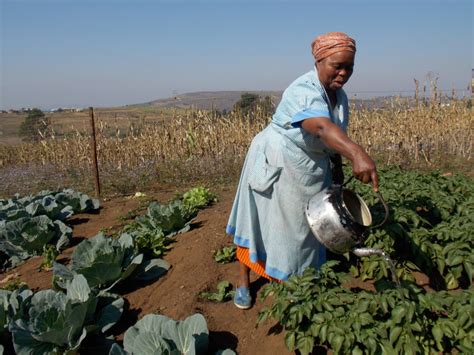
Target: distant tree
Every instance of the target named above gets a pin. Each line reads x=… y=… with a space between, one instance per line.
x=249 y=103
x=35 y=126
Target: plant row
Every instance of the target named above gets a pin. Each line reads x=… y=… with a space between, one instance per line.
x=315 y=310
x=28 y=224
x=429 y=227
x=58 y=320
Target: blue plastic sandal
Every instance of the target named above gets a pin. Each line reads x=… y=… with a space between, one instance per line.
x=242 y=298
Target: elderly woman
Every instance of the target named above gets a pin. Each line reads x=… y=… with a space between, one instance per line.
x=292 y=159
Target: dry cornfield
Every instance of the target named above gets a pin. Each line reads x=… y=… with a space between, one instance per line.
x=188 y=145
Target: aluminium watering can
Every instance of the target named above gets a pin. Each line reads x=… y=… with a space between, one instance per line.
x=338 y=218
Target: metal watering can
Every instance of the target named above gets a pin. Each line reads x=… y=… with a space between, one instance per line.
x=338 y=218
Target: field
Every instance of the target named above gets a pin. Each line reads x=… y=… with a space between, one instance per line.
x=425 y=177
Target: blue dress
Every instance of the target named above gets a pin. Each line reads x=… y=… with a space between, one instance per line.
x=284 y=167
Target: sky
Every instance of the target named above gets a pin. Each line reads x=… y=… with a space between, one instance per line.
x=102 y=53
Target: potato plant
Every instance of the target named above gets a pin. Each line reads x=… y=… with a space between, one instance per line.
x=429 y=228
x=315 y=309
x=225 y=255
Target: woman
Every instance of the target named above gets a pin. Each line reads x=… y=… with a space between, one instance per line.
x=289 y=162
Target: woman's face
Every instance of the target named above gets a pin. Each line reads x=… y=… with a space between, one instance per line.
x=334 y=71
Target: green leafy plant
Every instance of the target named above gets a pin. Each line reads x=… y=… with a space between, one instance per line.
x=152 y=233
x=157 y=334
x=225 y=255
x=55 y=322
x=223 y=294
x=106 y=261
x=429 y=228
x=314 y=309
x=197 y=198
x=29 y=223
x=26 y=236
x=50 y=253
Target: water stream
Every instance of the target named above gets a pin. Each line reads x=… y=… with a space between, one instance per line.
x=391 y=266
x=373 y=251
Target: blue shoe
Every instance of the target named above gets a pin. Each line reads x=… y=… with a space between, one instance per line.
x=242 y=298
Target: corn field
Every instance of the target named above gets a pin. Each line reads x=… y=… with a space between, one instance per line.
x=188 y=145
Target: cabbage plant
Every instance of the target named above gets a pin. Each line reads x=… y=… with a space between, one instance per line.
x=54 y=204
x=173 y=218
x=25 y=236
x=11 y=303
x=29 y=223
x=106 y=261
x=53 y=322
x=157 y=334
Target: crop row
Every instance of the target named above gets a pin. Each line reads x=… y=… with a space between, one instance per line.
x=429 y=227
x=315 y=309
x=80 y=303
x=29 y=224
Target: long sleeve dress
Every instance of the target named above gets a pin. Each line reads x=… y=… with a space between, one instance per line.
x=284 y=167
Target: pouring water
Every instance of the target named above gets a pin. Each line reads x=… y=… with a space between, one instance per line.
x=373 y=251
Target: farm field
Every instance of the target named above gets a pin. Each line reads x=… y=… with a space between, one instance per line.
x=428 y=236
x=350 y=305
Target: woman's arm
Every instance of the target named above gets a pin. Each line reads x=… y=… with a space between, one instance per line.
x=363 y=166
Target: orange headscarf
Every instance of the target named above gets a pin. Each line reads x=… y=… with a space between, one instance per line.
x=332 y=42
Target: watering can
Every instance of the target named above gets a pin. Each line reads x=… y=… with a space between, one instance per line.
x=339 y=217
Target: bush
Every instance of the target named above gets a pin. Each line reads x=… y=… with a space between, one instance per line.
x=35 y=126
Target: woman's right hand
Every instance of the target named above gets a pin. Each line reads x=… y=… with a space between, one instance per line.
x=364 y=169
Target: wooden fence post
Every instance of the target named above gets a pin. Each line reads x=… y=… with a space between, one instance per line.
x=95 y=166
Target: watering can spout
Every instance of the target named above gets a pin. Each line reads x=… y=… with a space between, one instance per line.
x=362 y=252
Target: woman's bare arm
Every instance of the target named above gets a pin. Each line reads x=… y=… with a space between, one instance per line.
x=363 y=166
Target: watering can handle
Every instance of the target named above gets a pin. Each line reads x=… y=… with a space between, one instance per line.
x=381 y=199
x=385 y=206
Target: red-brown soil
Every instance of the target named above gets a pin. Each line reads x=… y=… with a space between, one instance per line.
x=175 y=294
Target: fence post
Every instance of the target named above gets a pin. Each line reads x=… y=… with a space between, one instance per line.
x=95 y=166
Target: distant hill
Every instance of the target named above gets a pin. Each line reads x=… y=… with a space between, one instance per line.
x=206 y=100
x=225 y=100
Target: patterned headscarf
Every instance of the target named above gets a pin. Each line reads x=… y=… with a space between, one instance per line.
x=332 y=42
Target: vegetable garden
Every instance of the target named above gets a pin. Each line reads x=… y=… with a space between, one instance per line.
x=349 y=306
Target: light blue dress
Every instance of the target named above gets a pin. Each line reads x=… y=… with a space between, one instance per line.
x=285 y=166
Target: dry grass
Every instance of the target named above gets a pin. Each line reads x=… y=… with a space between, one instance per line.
x=421 y=135
x=137 y=149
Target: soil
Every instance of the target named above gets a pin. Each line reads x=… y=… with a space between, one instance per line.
x=175 y=294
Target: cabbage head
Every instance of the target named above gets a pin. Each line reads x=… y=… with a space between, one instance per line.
x=24 y=237
x=157 y=334
x=106 y=261
x=53 y=322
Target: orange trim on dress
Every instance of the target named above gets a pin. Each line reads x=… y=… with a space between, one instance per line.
x=243 y=256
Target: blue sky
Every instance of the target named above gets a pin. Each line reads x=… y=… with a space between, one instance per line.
x=78 y=53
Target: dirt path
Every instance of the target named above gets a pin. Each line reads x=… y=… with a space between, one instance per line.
x=193 y=270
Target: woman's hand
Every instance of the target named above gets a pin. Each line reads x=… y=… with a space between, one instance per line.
x=364 y=168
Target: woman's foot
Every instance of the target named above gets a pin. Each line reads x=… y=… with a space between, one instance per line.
x=242 y=298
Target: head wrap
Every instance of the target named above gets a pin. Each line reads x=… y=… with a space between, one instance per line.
x=332 y=42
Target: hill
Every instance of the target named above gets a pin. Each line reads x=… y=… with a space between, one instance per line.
x=207 y=100
x=225 y=100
